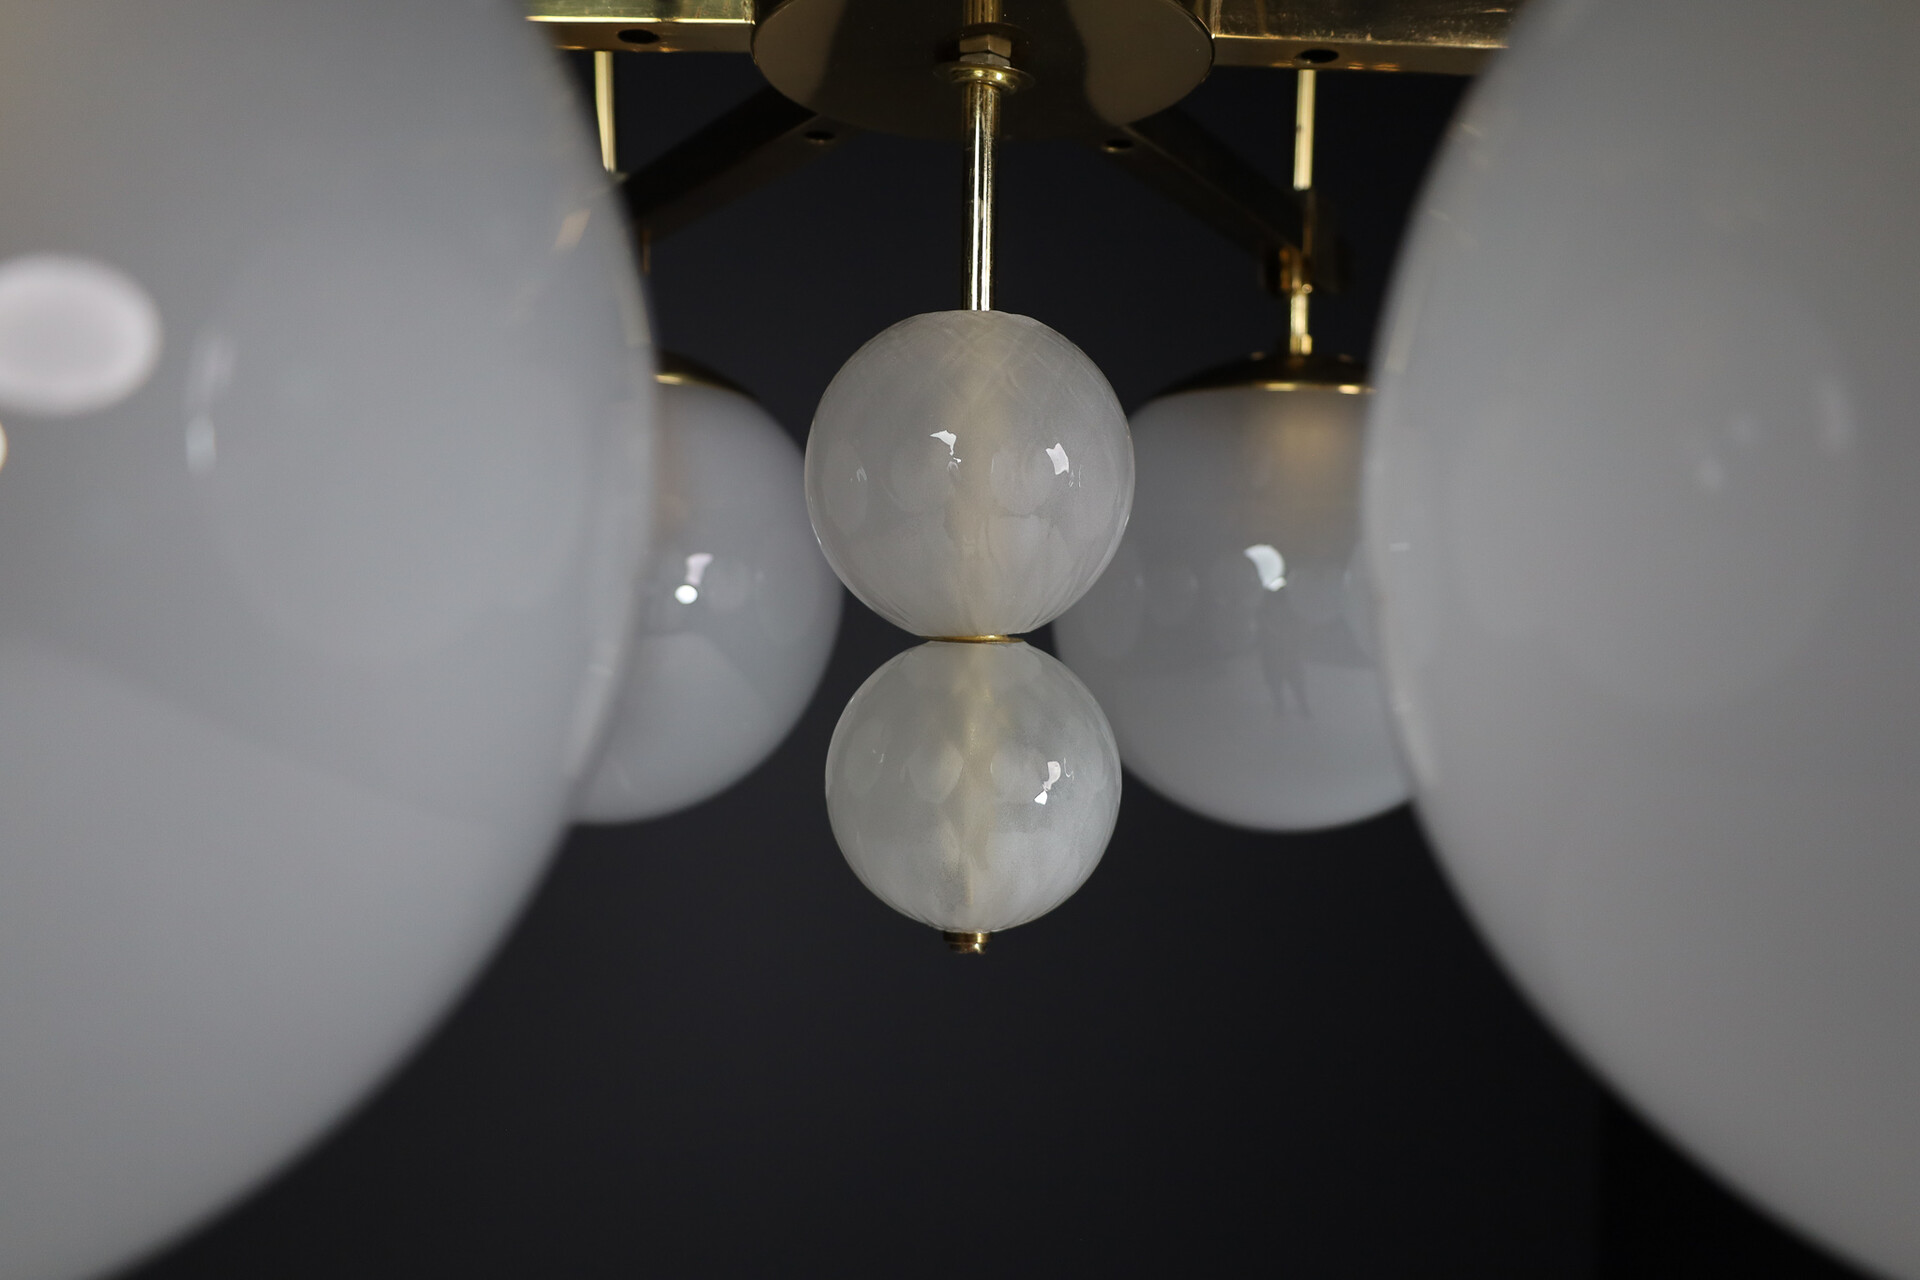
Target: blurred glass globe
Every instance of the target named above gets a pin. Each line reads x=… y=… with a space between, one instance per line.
x=735 y=614
x=1640 y=503
x=322 y=363
x=1230 y=641
x=969 y=473
x=973 y=786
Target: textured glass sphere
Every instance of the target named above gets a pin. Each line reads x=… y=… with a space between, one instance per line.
x=734 y=617
x=1229 y=641
x=969 y=473
x=973 y=786
x=1641 y=502
x=323 y=378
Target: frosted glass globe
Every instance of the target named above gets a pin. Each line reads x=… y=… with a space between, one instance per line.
x=1229 y=641
x=734 y=617
x=972 y=786
x=969 y=473
x=1641 y=505
x=325 y=486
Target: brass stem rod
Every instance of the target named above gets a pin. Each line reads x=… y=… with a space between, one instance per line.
x=1303 y=131
x=603 y=109
x=1299 y=336
x=983 y=115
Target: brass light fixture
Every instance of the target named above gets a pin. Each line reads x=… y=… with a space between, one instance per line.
x=958 y=532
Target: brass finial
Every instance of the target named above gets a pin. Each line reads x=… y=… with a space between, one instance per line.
x=966 y=944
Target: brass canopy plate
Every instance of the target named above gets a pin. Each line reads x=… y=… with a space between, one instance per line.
x=879 y=64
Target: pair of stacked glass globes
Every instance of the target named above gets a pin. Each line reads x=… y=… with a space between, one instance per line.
x=970 y=476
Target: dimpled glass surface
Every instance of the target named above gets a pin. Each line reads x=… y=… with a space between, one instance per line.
x=969 y=473
x=973 y=786
x=324 y=381
x=1229 y=641
x=734 y=616
x=1641 y=503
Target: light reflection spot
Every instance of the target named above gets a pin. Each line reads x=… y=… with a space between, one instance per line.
x=76 y=335
x=689 y=591
x=1269 y=564
x=949 y=439
x=1059 y=455
x=1053 y=776
x=572 y=227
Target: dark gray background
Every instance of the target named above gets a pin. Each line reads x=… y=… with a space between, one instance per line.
x=707 y=1051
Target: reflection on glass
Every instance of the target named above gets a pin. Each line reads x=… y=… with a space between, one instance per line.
x=1053 y=776
x=689 y=591
x=949 y=439
x=76 y=335
x=572 y=227
x=1269 y=564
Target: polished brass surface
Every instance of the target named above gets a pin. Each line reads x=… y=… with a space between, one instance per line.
x=983 y=115
x=1453 y=37
x=1281 y=371
x=1297 y=264
x=966 y=944
x=1011 y=79
x=878 y=63
x=603 y=117
x=677 y=370
x=647 y=26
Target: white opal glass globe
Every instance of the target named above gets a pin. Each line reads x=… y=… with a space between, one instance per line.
x=1641 y=505
x=734 y=617
x=969 y=473
x=973 y=786
x=327 y=474
x=1229 y=642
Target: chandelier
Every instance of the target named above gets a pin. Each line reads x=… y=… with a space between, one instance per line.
x=355 y=528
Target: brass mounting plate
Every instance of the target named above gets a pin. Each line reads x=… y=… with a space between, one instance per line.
x=1453 y=37
x=647 y=26
x=879 y=64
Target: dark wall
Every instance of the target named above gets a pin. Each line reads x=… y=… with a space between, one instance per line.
x=707 y=1051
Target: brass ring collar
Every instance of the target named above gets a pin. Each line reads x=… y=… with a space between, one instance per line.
x=1009 y=79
